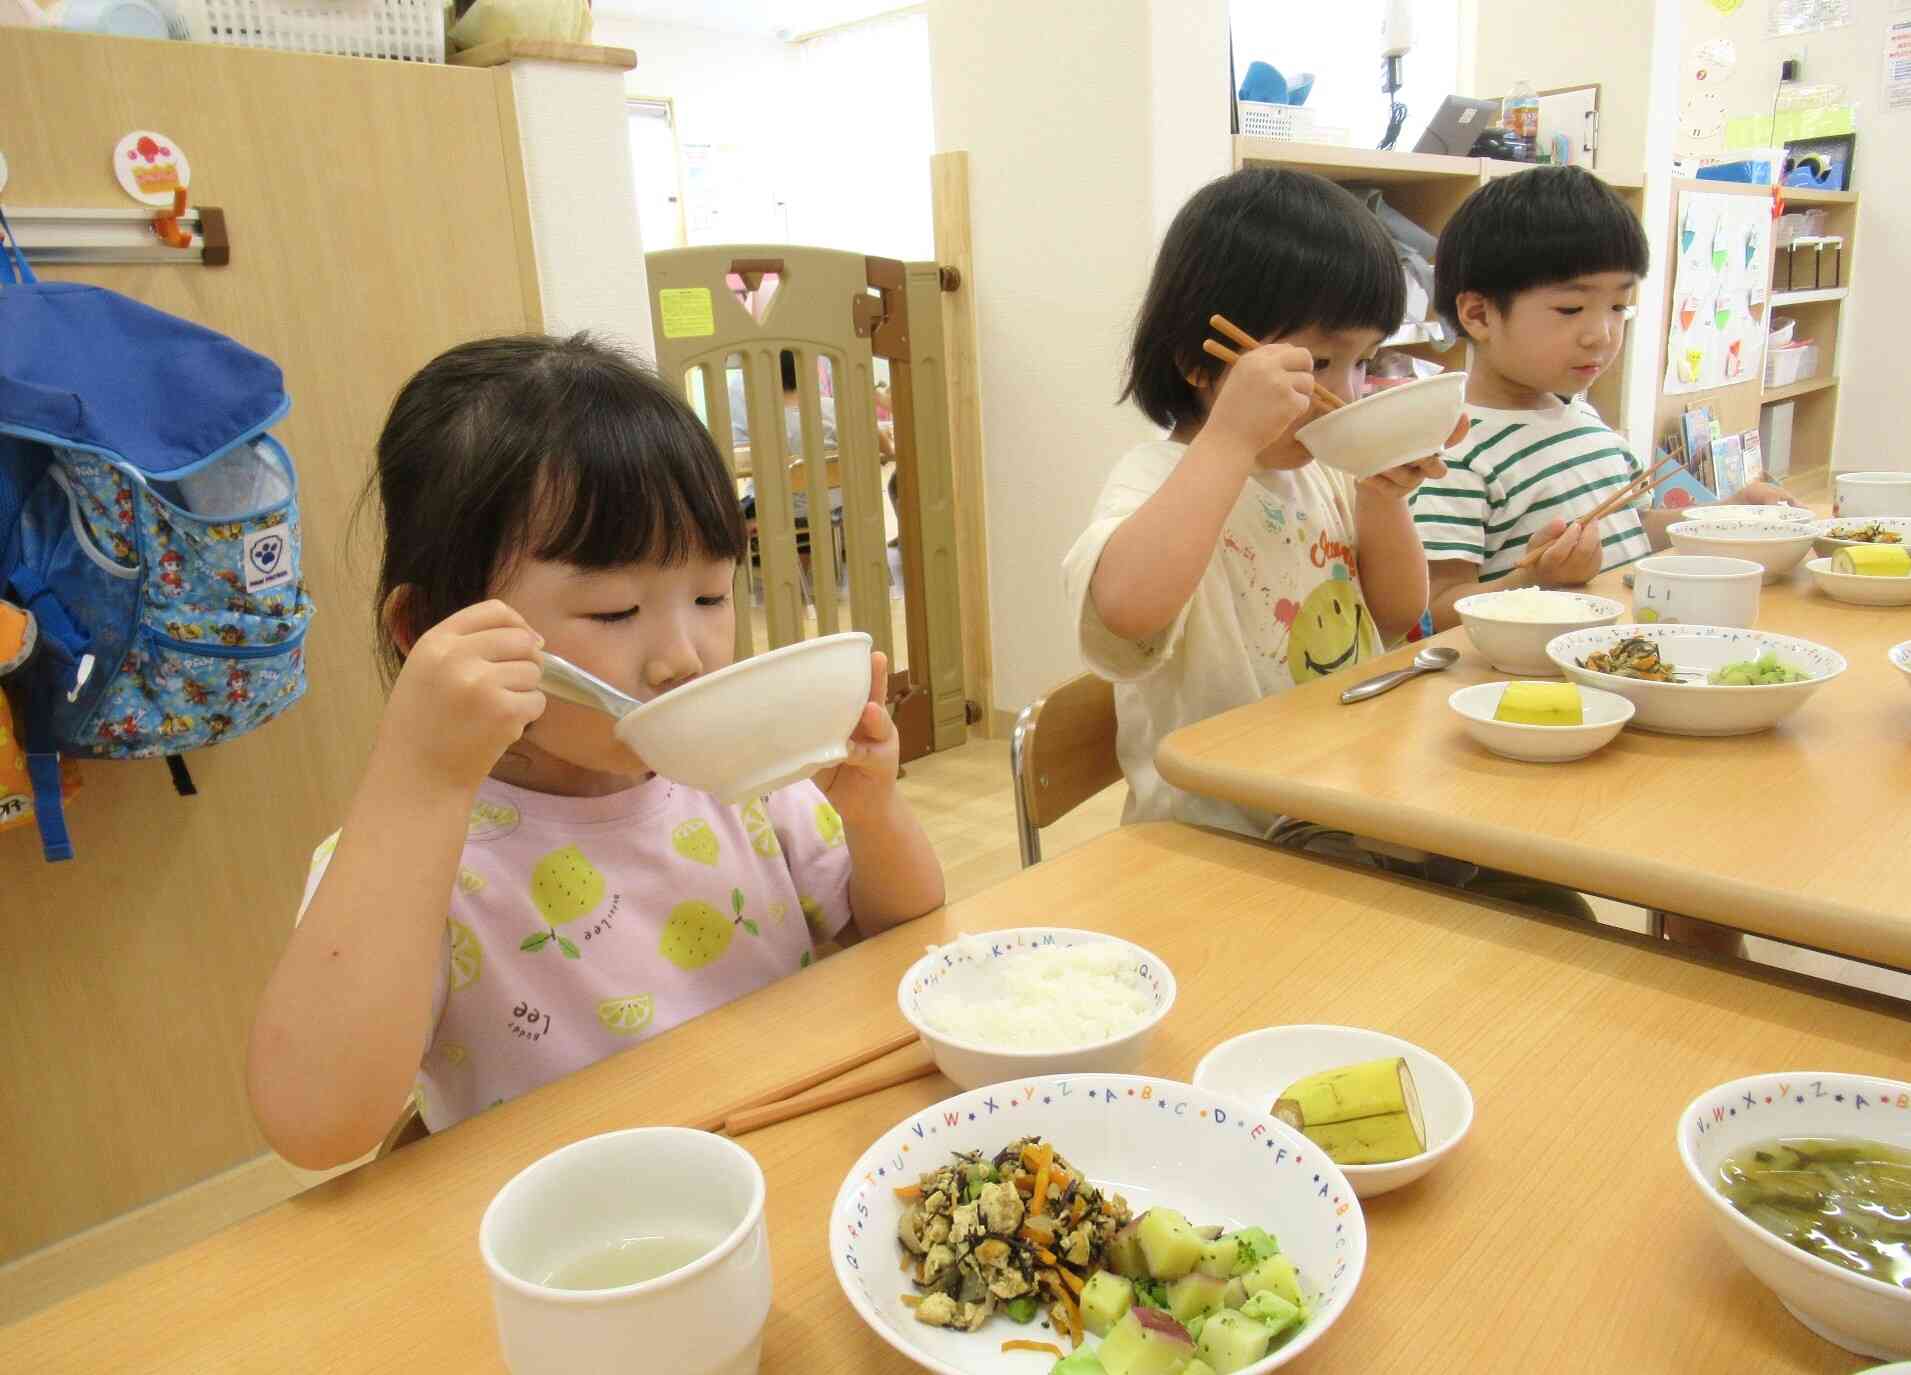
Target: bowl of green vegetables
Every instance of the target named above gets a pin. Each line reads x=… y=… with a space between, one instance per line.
x=1698 y=679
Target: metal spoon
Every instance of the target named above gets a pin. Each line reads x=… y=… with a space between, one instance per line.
x=1429 y=660
x=564 y=680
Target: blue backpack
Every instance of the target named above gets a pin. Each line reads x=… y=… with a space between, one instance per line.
x=149 y=524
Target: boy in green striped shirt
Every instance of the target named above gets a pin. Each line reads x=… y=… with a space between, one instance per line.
x=1539 y=271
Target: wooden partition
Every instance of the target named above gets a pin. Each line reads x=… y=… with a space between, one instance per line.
x=846 y=310
x=377 y=217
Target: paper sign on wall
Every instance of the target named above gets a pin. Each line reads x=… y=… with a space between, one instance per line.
x=688 y=312
x=1897 y=67
x=1715 y=338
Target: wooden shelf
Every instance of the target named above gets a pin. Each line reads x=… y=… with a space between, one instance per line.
x=1338 y=163
x=1798 y=196
x=1795 y=389
x=1805 y=298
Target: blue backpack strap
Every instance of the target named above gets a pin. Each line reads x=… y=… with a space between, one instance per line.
x=43 y=768
x=13 y=259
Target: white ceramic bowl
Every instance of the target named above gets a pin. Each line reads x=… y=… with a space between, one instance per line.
x=1826 y=541
x=1731 y=511
x=1154 y=1142
x=1871 y=494
x=1854 y=1311
x=970 y=964
x=1858 y=589
x=1698 y=708
x=1256 y=1068
x=705 y=1318
x=1606 y=715
x=1775 y=545
x=1670 y=589
x=1391 y=427
x=1900 y=656
x=1520 y=646
x=758 y=725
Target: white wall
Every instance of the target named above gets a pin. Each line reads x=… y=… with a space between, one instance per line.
x=824 y=143
x=1086 y=122
x=732 y=91
x=1872 y=408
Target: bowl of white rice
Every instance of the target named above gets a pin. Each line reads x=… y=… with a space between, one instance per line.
x=1512 y=628
x=1035 y=1000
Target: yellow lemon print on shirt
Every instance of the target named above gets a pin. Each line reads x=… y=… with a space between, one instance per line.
x=626 y=1016
x=777 y=913
x=491 y=821
x=696 y=935
x=467 y=956
x=566 y=886
x=454 y=1053
x=1330 y=631
x=469 y=880
x=829 y=825
x=813 y=917
x=756 y=821
x=695 y=841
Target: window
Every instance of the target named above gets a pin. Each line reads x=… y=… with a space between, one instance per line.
x=656 y=171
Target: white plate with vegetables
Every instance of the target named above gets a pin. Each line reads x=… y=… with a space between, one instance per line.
x=1698 y=679
x=1180 y=1226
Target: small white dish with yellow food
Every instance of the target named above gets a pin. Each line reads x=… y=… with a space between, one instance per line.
x=1292 y=1070
x=1541 y=723
x=1865 y=575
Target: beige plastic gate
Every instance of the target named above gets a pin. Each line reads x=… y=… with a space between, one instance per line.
x=848 y=310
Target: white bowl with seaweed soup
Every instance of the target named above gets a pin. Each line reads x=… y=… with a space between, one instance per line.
x=1807 y=1176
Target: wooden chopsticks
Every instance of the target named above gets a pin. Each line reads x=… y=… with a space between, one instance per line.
x=917 y=1065
x=717 y=1122
x=1324 y=402
x=1638 y=487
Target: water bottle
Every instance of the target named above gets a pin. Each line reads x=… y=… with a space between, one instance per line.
x=1520 y=112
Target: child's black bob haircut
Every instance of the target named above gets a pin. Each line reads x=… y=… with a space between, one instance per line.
x=535 y=447
x=1275 y=251
x=1535 y=228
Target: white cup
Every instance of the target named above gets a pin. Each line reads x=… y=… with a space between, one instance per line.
x=1872 y=494
x=1693 y=589
x=703 y=1319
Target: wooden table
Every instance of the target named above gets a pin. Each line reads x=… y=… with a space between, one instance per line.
x=1800 y=833
x=1563 y=1235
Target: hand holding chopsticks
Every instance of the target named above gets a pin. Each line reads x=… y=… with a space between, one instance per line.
x=1627 y=494
x=1321 y=402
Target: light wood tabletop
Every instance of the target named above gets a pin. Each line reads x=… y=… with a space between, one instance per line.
x=1798 y=833
x=1562 y=1235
